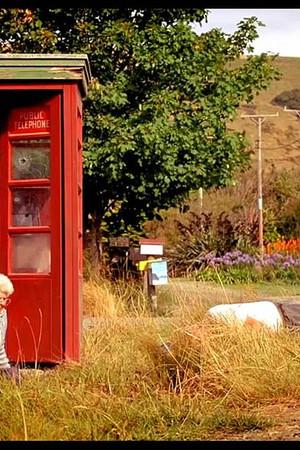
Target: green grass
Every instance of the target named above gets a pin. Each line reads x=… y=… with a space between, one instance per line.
x=188 y=292
x=121 y=390
x=270 y=289
x=175 y=376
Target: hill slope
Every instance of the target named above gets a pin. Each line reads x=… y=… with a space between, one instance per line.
x=280 y=135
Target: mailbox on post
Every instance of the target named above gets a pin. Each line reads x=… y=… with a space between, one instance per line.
x=41 y=202
x=154 y=268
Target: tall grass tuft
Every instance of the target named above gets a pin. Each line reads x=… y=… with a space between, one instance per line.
x=240 y=364
x=106 y=298
x=178 y=376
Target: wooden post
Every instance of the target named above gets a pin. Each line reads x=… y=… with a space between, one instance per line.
x=146 y=283
x=152 y=292
x=258 y=119
x=149 y=290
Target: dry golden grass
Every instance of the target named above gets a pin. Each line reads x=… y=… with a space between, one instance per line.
x=100 y=300
x=105 y=298
x=241 y=364
x=172 y=377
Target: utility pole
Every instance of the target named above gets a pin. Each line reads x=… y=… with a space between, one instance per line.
x=200 y=194
x=258 y=119
x=297 y=111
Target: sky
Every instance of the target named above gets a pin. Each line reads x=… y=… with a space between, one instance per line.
x=281 y=33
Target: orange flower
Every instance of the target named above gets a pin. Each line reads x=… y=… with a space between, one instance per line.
x=288 y=246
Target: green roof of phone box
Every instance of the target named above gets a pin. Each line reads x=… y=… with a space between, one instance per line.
x=46 y=67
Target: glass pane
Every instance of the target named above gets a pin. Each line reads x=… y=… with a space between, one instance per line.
x=31 y=207
x=30 y=253
x=30 y=159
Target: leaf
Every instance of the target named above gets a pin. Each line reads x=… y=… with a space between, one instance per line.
x=156 y=115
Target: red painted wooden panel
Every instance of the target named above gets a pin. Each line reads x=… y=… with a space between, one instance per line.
x=34 y=119
x=35 y=315
x=73 y=312
x=50 y=304
x=31 y=337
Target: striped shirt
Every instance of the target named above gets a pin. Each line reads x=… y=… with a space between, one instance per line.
x=4 y=361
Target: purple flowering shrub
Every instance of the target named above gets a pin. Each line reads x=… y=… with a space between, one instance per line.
x=237 y=258
x=224 y=247
x=205 y=235
x=238 y=267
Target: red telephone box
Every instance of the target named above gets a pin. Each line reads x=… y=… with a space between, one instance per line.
x=41 y=202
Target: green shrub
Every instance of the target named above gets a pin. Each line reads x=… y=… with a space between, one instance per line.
x=244 y=274
x=288 y=275
x=290 y=99
x=230 y=275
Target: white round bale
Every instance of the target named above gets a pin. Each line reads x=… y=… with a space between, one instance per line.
x=264 y=312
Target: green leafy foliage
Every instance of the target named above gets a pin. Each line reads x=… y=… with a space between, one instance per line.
x=229 y=219
x=208 y=234
x=156 y=117
x=244 y=274
x=230 y=275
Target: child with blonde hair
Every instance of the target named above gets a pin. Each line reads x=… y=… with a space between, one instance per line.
x=6 y=290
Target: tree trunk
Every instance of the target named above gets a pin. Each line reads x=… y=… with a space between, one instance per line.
x=93 y=247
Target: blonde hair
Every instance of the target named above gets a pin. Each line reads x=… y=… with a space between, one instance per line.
x=6 y=286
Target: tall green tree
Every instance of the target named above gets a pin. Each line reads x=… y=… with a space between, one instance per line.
x=157 y=114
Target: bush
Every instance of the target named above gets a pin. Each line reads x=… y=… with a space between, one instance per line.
x=227 y=220
x=207 y=235
x=238 y=267
x=290 y=99
x=230 y=275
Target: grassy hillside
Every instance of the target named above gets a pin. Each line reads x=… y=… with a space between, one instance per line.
x=280 y=149
x=280 y=135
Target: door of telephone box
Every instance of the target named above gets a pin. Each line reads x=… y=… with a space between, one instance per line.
x=31 y=223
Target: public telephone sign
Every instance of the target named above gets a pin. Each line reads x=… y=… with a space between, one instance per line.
x=29 y=120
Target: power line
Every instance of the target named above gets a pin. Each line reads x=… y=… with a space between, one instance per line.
x=285 y=109
x=283 y=145
x=297 y=111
